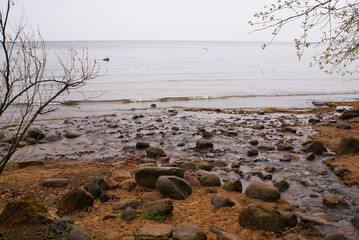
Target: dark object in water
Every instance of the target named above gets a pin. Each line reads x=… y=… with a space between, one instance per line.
x=106 y=59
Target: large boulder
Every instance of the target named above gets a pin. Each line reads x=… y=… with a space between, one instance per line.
x=74 y=200
x=174 y=187
x=186 y=231
x=147 y=176
x=258 y=217
x=161 y=207
x=210 y=179
x=348 y=145
x=262 y=191
x=314 y=147
x=154 y=232
x=24 y=211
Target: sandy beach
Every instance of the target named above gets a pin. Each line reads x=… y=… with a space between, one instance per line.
x=265 y=145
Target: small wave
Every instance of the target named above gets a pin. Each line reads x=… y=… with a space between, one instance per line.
x=203 y=98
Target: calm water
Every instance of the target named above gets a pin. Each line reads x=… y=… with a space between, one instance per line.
x=205 y=74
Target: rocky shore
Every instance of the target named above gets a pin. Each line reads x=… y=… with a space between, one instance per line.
x=186 y=174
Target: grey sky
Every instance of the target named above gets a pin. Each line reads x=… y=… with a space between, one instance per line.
x=212 y=20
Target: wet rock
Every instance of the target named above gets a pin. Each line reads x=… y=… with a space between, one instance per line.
x=236 y=164
x=333 y=201
x=210 y=179
x=56 y=182
x=219 y=201
x=335 y=237
x=28 y=210
x=314 y=120
x=75 y=233
x=290 y=219
x=128 y=214
x=305 y=182
x=258 y=127
x=154 y=152
x=35 y=133
x=349 y=114
x=24 y=164
x=266 y=147
x=206 y=134
x=348 y=145
x=162 y=207
x=174 y=187
x=318 y=104
x=310 y=156
x=289 y=129
x=252 y=152
x=253 y=142
x=154 y=232
x=233 y=185
x=125 y=203
x=269 y=169
x=341 y=172
x=71 y=134
x=186 y=231
x=258 y=217
x=207 y=166
x=355 y=221
x=343 y=126
x=142 y=145
x=227 y=236
x=314 y=220
x=147 y=176
x=262 y=191
x=74 y=200
x=188 y=166
x=220 y=163
x=151 y=196
x=281 y=185
x=203 y=144
x=315 y=147
x=128 y=184
x=284 y=147
x=51 y=138
x=108 y=183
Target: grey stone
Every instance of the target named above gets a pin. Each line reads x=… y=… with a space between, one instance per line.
x=210 y=179
x=219 y=201
x=186 y=231
x=203 y=144
x=128 y=214
x=154 y=152
x=56 y=182
x=154 y=232
x=147 y=176
x=125 y=203
x=76 y=233
x=262 y=191
x=233 y=185
x=174 y=187
x=74 y=200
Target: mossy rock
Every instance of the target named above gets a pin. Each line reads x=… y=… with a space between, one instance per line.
x=77 y=199
x=25 y=211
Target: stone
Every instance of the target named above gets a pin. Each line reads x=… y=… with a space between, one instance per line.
x=128 y=184
x=75 y=233
x=337 y=236
x=262 y=191
x=348 y=145
x=207 y=166
x=289 y=129
x=310 y=156
x=62 y=224
x=154 y=152
x=24 y=164
x=315 y=147
x=205 y=191
x=28 y=210
x=220 y=163
x=281 y=185
x=227 y=236
x=258 y=127
x=35 y=133
x=343 y=126
x=174 y=187
x=125 y=203
x=269 y=169
x=151 y=196
x=128 y=214
x=266 y=147
x=51 y=138
x=71 y=134
x=108 y=183
x=220 y=201
x=203 y=144
x=233 y=185
x=284 y=147
x=94 y=189
x=210 y=179
x=188 y=166
x=314 y=120
x=56 y=182
x=120 y=175
x=105 y=198
x=109 y=216
x=290 y=219
x=349 y=114
x=147 y=176
x=142 y=145
x=74 y=200
x=154 y=232
x=206 y=134
x=314 y=220
x=258 y=217
x=192 y=180
x=252 y=152
x=355 y=221
x=253 y=142
x=186 y=231
x=333 y=201
x=162 y=207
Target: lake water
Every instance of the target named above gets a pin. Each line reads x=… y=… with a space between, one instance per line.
x=204 y=74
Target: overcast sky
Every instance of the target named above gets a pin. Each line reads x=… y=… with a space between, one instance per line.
x=211 y=20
